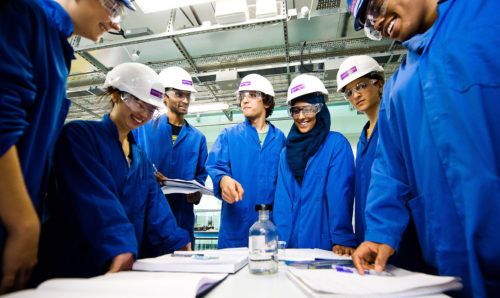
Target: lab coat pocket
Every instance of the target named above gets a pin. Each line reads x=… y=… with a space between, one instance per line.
x=422 y=226
x=475 y=64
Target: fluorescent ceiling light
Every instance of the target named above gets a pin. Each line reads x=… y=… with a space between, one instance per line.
x=149 y=6
x=207 y=107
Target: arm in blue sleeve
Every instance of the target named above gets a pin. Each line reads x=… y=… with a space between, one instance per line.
x=282 y=209
x=90 y=197
x=201 y=172
x=218 y=164
x=386 y=213
x=17 y=89
x=162 y=233
x=340 y=194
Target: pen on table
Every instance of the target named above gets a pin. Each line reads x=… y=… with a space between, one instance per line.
x=348 y=269
x=188 y=255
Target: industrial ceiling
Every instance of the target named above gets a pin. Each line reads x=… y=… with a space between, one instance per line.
x=219 y=48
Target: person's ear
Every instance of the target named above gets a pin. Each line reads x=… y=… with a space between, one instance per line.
x=115 y=97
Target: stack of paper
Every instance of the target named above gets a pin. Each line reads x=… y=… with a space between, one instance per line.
x=126 y=284
x=208 y=261
x=327 y=282
x=185 y=187
x=308 y=254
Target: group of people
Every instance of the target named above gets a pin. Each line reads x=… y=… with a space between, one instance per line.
x=425 y=185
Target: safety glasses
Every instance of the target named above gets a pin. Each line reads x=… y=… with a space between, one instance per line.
x=307 y=110
x=349 y=93
x=374 y=10
x=115 y=8
x=249 y=95
x=139 y=106
x=177 y=94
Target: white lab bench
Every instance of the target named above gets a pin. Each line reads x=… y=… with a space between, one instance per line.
x=244 y=284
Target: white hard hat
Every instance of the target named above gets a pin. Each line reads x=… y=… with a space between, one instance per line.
x=305 y=84
x=354 y=68
x=177 y=78
x=256 y=82
x=138 y=80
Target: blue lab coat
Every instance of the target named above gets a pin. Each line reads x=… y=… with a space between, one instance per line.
x=183 y=160
x=317 y=214
x=35 y=61
x=365 y=154
x=103 y=208
x=439 y=147
x=238 y=154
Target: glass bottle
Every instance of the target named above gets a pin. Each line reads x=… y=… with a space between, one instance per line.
x=262 y=242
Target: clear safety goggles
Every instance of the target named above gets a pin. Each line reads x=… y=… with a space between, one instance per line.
x=139 y=106
x=374 y=10
x=115 y=8
x=349 y=93
x=178 y=94
x=307 y=110
x=249 y=95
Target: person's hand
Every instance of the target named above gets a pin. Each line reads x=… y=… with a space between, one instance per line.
x=187 y=247
x=19 y=255
x=371 y=255
x=231 y=190
x=343 y=250
x=121 y=262
x=159 y=178
x=193 y=198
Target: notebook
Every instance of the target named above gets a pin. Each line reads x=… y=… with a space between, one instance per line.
x=228 y=260
x=400 y=283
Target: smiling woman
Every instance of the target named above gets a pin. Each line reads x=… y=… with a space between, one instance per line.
x=107 y=203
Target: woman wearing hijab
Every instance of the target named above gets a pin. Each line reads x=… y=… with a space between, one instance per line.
x=315 y=188
x=108 y=209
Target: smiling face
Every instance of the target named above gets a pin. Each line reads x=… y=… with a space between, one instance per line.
x=132 y=115
x=405 y=18
x=91 y=19
x=304 y=121
x=367 y=98
x=177 y=101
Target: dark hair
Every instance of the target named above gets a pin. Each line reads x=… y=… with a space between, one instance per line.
x=107 y=94
x=376 y=75
x=269 y=101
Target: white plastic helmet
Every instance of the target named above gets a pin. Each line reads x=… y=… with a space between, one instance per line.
x=354 y=68
x=177 y=78
x=256 y=82
x=138 y=80
x=305 y=84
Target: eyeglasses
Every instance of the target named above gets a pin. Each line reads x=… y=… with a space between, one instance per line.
x=374 y=10
x=179 y=94
x=307 y=110
x=115 y=8
x=137 y=105
x=249 y=95
x=348 y=94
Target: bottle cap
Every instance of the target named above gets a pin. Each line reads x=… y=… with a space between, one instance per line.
x=263 y=207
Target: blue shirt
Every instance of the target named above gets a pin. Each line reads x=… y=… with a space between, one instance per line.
x=104 y=208
x=439 y=147
x=238 y=154
x=185 y=159
x=317 y=214
x=34 y=66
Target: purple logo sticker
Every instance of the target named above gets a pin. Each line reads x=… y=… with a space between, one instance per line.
x=352 y=8
x=348 y=72
x=186 y=82
x=246 y=83
x=156 y=93
x=297 y=88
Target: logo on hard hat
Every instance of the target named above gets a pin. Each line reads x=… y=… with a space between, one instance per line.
x=186 y=82
x=246 y=83
x=297 y=88
x=156 y=93
x=352 y=8
x=348 y=72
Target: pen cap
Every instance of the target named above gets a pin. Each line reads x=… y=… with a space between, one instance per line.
x=263 y=207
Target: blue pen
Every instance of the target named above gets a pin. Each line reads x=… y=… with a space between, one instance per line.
x=156 y=170
x=347 y=269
